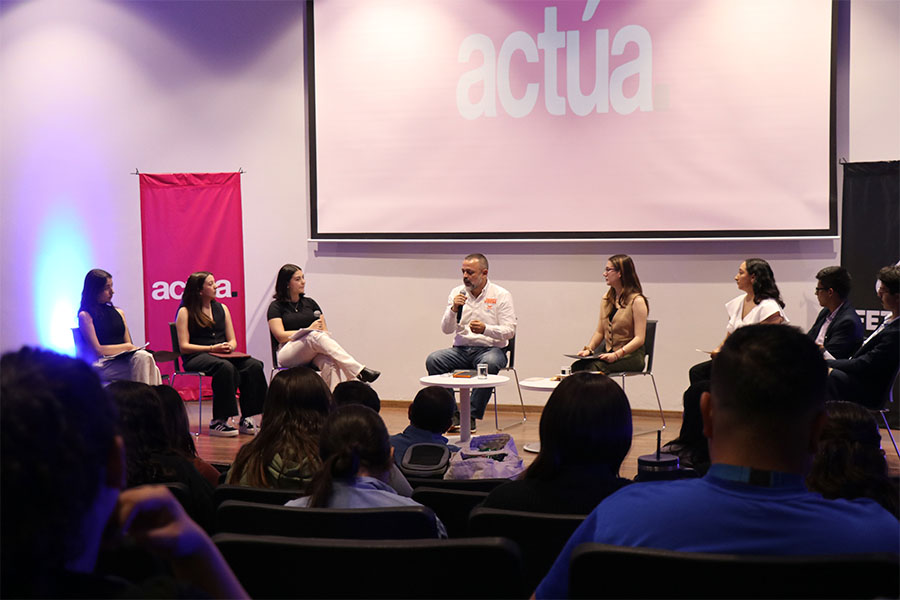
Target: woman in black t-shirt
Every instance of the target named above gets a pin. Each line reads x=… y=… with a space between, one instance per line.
x=106 y=341
x=207 y=344
x=301 y=337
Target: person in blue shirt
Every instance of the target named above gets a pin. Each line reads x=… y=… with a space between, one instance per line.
x=356 y=464
x=763 y=417
x=430 y=416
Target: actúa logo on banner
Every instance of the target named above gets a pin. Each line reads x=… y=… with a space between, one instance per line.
x=161 y=290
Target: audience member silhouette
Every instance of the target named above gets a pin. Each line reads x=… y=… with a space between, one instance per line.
x=585 y=434
x=63 y=489
x=285 y=452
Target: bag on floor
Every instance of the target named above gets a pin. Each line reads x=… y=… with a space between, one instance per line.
x=491 y=456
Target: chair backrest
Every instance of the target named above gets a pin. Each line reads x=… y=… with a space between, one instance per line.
x=451 y=506
x=173 y=332
x=511 y=350
x=391 y=523
x=278 y=567
x=649 y=343
x=273 y=343
x=471 y=485
x=669 y=574
x=81 y=347
x=244 y=493
x=540 y=536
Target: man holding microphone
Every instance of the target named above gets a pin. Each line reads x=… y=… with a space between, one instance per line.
x=481 y=316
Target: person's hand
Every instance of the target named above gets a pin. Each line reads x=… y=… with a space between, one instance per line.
x=477 y=326
x=224 y=348
x=458 y=301
x=317 y=325
x=585 y=352
x=609 y=357
x=154 y=518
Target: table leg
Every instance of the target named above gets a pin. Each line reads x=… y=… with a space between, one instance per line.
x=465 y=412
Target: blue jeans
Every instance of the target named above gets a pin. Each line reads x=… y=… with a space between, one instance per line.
x=467 y=357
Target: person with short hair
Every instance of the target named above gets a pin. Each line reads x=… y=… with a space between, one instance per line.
x=430 y=416
x=107 y=340
x=763 y=417
x=205 y=338
x=482 y=319
x=867 y=376
x=300 y=335
x=585 y=434
x=63 y=491
x=838 y=330
x=622 y=327
x=356 y=392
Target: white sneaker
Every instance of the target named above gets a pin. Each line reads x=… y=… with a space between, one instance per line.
x=220 y=428
x=248 y=427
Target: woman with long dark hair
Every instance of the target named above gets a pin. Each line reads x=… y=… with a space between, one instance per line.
x=107 y=341
x=206 y=341
x=622 y=326
x=176 y=426
x=585 y=433
x=149 y=457
x=301 y=337
x=285 y=453
x=356 y=461
x=760 y=303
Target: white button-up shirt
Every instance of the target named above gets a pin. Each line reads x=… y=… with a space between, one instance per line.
x=493 y=307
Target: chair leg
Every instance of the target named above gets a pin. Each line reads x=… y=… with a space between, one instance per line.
x=521 y=401
x=199 y=403
x=891 y=435
x=662 y=416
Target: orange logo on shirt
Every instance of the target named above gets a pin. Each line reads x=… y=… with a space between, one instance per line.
x=490 y=302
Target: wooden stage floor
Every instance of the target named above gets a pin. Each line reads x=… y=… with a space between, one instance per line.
x=223 y=450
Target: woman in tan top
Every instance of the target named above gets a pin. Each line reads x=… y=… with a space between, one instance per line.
x=623 y=322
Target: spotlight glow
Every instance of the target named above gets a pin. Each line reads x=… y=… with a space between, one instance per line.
x=63 y=258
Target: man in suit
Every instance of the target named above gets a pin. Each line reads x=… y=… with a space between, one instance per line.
x=838 y=330
x=866 y=377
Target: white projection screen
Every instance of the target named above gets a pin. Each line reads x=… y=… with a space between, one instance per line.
x=558 y=119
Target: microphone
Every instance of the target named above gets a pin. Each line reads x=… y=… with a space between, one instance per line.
x=317 y=314
x=459 y=314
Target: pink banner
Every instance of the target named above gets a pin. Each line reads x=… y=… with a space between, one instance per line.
x=190 y=222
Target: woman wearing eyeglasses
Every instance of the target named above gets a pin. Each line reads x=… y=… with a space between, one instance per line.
x=622 y=327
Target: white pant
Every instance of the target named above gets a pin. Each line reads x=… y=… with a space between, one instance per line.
x=139 y=367
x=319 y=348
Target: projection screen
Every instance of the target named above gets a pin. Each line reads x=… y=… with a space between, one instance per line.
x=501 y=119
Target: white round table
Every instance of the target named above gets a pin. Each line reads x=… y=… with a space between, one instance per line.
x=464 y=385
x=537 y=384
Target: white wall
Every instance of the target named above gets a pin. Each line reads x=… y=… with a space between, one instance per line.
x=93 y=90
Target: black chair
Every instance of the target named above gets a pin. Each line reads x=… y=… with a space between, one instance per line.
x=179 y=371
x=278 y=567
x=225 y=492
x=182 y=494
x=394 y=523
x=540 y=536
x=470 y=485
x=649 y=345
x=652 y=573
x=510 y=350
x=451 y=506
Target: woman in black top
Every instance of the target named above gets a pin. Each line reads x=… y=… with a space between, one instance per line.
x=204 y=327
x=301 y=337
x=107 y=341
